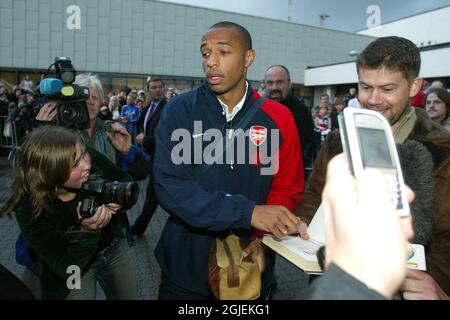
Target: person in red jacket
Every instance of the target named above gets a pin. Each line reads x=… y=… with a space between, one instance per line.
x=255 y=187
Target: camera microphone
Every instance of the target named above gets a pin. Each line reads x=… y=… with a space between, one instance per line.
x=69 y=97
x=50 y=86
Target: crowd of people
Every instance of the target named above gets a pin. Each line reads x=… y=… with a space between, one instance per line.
x=17 y=105
x=210 y=191
x=20 y=104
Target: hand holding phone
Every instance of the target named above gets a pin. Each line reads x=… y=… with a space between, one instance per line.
x=368 y=143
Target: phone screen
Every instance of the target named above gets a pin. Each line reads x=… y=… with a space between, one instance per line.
x=374 y=148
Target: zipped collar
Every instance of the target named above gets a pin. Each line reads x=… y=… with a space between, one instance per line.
x=236 y=109
x=249 y=96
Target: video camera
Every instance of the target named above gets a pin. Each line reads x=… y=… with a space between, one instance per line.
x=97 y=191
x=70 y=98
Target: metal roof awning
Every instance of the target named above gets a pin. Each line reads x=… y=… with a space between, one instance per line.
x=435 y=64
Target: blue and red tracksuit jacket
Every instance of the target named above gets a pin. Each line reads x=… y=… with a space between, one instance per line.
x=221 y=199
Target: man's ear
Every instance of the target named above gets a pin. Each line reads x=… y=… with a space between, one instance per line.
x=249 y=57
x=415 y=87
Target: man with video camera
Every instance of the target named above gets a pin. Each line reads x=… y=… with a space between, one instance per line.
x=74 y=101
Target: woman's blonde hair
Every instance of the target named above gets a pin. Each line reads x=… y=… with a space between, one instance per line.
x=43 y=164
x=113 y=107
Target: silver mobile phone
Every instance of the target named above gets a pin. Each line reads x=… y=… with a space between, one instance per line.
x=368 y=143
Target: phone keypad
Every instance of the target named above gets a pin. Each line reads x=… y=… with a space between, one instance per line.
x=396 y=195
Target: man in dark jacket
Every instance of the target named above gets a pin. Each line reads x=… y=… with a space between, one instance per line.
x=11 y=288
x=235 y=192
x=150 y=115
x=147 y=124
x=278 y=86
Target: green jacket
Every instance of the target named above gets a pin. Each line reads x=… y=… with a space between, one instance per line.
x=57 y=239
x=99 y=141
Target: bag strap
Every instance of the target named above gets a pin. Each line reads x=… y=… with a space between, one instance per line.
x=229 y=256
x=202 y=168
x=250 y=113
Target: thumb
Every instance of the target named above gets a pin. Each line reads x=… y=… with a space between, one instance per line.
x=109 y=135
x=303 y=230
x=78 y=208
x=247 y=250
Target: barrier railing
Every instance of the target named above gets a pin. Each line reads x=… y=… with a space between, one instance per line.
x=8 y=135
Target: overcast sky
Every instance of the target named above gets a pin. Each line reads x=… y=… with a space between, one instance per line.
x=346 y=15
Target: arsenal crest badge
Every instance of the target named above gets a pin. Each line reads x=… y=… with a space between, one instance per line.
x=258 y=135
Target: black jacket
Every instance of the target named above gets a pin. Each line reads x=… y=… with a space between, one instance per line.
x=149 y=140
x=303 y=120
x=336 y=284
x=11 y=288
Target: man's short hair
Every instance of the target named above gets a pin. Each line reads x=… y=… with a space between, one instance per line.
x=242 y=31
x=394 y=53
x=154 y=79
x=90 y=80
x=282 y=67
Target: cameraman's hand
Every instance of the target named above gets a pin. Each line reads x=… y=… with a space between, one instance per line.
x=140 y=139
x=121 y=139
x=47 y=112
x=98 y=220
x=114 y=207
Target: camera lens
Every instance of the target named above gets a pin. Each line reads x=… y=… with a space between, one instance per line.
x=96 y=191
x=67 y=76
x=123 y=193
x=69 y=113
x=133 y=193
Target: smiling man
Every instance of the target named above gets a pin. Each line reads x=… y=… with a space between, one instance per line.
x=209 y=200
x=388 y=72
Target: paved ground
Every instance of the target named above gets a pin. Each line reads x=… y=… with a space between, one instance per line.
x=291 y=281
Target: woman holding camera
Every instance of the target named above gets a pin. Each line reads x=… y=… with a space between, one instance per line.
x=74 y=253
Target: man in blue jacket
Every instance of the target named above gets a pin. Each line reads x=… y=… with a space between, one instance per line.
x=250 y=185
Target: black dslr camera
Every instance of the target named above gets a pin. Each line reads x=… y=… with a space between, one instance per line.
x=70 y=98
x=97 y=191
